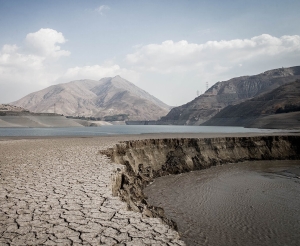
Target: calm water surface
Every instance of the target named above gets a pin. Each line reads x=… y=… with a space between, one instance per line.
x=250 y=203
x=124 y=129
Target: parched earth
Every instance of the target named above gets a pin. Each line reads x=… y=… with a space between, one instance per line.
x=59 y=192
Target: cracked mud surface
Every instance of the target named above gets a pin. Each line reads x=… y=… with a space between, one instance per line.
x=59 y=192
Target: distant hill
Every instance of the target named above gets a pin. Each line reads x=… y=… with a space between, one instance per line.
x=14 y=116
x=279 y=108
x=108 y=98
x=11 y=108
x=230 y=92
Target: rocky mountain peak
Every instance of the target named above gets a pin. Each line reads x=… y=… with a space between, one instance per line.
x=230 y=92
x=109 y=96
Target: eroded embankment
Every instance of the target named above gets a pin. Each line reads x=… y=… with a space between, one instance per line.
x=152 y=158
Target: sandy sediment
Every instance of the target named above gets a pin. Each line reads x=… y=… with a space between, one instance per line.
x=148 y=159
x=249 y=203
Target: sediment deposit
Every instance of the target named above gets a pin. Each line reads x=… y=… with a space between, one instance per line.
x=248 y=203
x=63 y=192
x=148 y=159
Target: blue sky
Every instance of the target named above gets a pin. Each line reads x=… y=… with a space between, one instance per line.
x=168 y=48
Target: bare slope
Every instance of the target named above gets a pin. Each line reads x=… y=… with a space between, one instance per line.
x=39 y=121
x=14 y=116
x=230 y=92
x=107 y=97
x=11 y=108
x=275 y=109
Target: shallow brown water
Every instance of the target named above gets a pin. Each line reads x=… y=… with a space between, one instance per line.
x=250 y=203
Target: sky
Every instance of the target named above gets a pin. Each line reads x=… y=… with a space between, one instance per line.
x=169 y=48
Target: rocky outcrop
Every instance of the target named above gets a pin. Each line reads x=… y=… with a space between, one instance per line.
x=149 y=159
x=230 y=92
x=252 y=113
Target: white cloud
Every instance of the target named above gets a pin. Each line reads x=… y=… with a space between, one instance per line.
x=21 y=73
x=31 y=67
x=172 y=71
x=170 y=56
x=9 y=48
x=181 y=68
x=25 y=69
x=44 y=43
x=102 y=8
x=12 y=60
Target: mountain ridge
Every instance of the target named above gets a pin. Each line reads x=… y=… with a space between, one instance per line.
x=107 y=97
x=230 y=92
x=280 y=103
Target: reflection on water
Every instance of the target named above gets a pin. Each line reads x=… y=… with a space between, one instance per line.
x=250 y=203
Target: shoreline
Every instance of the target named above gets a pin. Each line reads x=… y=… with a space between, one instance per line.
x=148 y=159
x=124 y=137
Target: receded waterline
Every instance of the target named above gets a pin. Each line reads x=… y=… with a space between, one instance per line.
x=249 y=203
x=148 y=159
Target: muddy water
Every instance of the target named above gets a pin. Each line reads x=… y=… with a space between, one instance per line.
x=250 y=203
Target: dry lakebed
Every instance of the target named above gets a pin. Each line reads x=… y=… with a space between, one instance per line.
x=90 y=190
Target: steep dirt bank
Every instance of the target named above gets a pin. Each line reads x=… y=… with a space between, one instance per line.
x=148 y=159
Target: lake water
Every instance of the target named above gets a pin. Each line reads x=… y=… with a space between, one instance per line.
x=250 y=203
x=124 y=129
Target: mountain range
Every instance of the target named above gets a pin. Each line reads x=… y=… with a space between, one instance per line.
x=111 y=97
x=230 y=92
x=279 y=108
x=242 y=101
